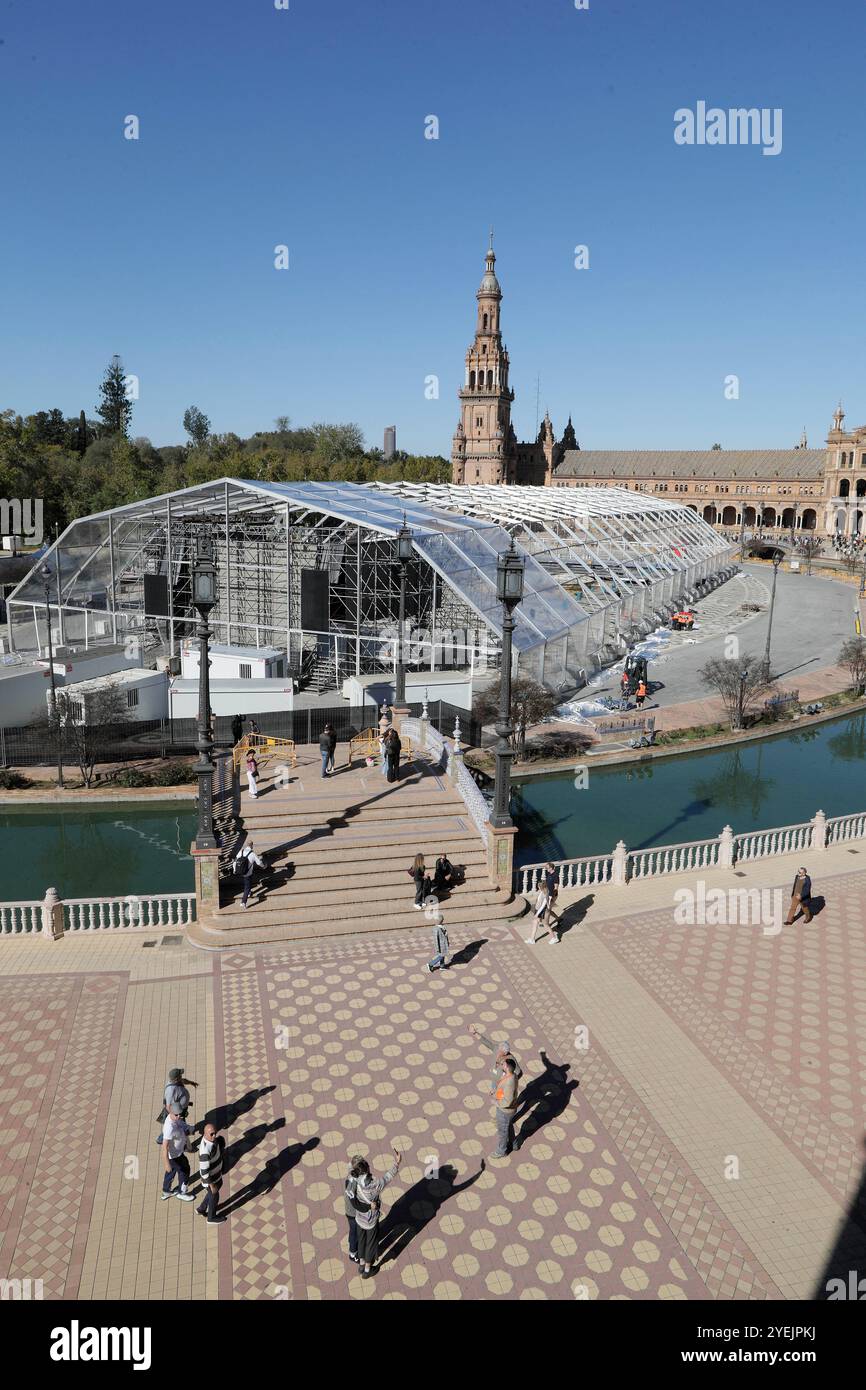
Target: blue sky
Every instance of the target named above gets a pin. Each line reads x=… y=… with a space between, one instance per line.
x=306 y=127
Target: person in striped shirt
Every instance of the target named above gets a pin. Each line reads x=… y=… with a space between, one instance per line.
x=211 y=1152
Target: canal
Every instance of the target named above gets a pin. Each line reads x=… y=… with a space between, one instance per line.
x=776 y=781
x=96 y=851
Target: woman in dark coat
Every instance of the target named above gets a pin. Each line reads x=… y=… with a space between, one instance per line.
x=392 y=753
x=422 y=882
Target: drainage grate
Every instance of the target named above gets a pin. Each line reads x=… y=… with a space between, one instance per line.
x=739 y=873
x=172 y=940
x=148 y=943
x=853 y=851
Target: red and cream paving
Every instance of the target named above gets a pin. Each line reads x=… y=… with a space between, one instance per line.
x=693 y=1125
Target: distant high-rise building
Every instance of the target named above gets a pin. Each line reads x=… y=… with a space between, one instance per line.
x=390 y=448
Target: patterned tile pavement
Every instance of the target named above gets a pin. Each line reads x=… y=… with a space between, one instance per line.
x=308 y=1053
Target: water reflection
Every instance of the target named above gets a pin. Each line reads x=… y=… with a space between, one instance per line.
x=735 y=786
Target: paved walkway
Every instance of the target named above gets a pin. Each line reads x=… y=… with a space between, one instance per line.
x=693 y=1129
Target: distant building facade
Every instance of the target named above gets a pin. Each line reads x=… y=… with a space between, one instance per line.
x=799 y=489
x=390 y=445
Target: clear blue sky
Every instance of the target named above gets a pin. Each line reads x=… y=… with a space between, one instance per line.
x=306 y=127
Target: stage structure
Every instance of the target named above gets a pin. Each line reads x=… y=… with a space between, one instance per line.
x=310 y=568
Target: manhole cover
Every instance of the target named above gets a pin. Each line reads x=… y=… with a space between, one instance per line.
x=145 y=944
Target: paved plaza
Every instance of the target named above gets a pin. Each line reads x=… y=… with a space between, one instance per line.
x=692 y=1123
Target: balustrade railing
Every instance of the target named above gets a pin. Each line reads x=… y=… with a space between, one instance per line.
x=727 y=849
x=53 y=916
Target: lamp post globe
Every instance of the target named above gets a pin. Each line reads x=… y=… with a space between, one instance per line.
x=204 y=597
x=404 y=555
x=509 y=591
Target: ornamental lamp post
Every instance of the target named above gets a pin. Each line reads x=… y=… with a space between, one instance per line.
x=204 y=597
x=778 y=556
x=47 y=576
x=404 y=555
x=509 y=591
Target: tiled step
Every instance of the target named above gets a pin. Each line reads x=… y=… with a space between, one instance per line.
x=211 y=934
x=360 y=899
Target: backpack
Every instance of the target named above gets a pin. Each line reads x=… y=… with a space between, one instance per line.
x=239 y=864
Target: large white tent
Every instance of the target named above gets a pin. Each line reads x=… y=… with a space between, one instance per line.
x=309 y=568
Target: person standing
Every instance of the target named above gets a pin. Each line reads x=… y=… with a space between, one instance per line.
x=384 y=739
x=801 y=897
x=237 y=729
x=349 y=1191
x=624 y=688
x=367 y=1202
x=422 y=883
x=211 y=1152
x=393 y=754
x=249 y=862
x=252 y=775
x=327 y=748
x=641 y=694
x=175 y=1142
x=551 y=884
x=440 y=937
x=252 y=726
x=504 y=1076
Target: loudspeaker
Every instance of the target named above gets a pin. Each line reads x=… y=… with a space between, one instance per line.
x=314 y=600
x=156 y=596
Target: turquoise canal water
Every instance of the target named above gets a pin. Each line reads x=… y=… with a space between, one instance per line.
x=777 y=781
x=101 y=851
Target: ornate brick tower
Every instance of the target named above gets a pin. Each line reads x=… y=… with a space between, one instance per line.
x=484 y=449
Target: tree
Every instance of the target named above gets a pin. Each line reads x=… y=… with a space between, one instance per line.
x=85 y=725
x=81 y=441
x=853 y=656
x=197 y=426
x=282 y=423
x=530 y=704
x=741 y=684
x=115 y=408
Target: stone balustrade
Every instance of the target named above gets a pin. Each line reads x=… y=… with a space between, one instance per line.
x=52 y=916
x=623 y=865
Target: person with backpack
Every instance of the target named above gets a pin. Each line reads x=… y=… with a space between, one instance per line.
x=327 y=748
x=367 y=1204
x=211 y=1153
x=175 y=1093
x=440 y=937
x=245 y=866
x=252 y=775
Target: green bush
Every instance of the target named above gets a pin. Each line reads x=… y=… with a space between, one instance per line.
x=13 y=781
x=173 y=775
x=131 y=777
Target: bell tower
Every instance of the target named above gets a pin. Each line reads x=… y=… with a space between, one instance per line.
x=483 y=447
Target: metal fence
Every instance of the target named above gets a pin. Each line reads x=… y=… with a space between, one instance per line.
x=34 y=746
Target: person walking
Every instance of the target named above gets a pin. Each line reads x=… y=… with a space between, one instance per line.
x=551 y=884
x=542 y=903
x=211 y=1152
x=237 y=729
x=327 y=748
x=175 y=1093
x=801 y=897
x=349 y=1191
x=422 y=882
x=504 y=1076
x=175 y=1142
x=440 y=937
x=246 y=864
x=367 y=1202
x=252 y=775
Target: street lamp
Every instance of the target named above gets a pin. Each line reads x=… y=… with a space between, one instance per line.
x=778 y=556
x=404 y=555
x=47 y=576
x=509 y=591
x=204 y=596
